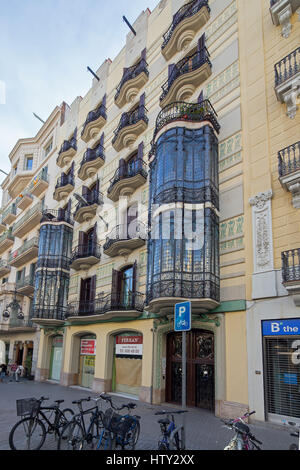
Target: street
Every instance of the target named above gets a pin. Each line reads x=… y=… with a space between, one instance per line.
x=203 y=430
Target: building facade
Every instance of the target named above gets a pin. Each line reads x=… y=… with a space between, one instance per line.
x=166 y=188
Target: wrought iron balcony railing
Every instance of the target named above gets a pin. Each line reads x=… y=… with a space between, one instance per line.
x=291 y=265
x=125 y=232
x=128 y=119
x=26 y=281
x=49 y=312
x=186 y=112
x=17 y=323
x=7 y=236
x=4 y=265
x=33 y=242
x=11 y=210
x=287 y=67
x=92 y=154
x=95 y=197
x=184 y=12
x=35 y=209
x=132 y=72
x=55 y=216
x=86 y=251
x=67 y=145
x=139 y=167
x=112 y=302
x=42 y=176
x=94 y=115
x=64 y=180
x=289 y=159
x=184 y=66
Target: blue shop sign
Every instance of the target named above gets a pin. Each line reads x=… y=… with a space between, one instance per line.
x=281 y=327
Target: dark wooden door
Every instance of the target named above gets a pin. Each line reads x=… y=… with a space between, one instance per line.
x=200 y=369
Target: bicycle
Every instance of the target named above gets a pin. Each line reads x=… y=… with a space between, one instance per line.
x=30 y=432
x=243 y=439
x=76 y=435
x=119 y=430
x=170 y=433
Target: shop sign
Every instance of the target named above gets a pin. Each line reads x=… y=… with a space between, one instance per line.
x=281 y=327
x=129 y=345
x=88 y=347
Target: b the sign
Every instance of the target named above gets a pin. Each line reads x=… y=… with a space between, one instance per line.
x=88 y=347
x=281 y=327
x=129 y=345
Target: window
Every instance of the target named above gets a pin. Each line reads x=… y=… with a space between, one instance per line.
x=48 y=148
x=28 y=164
x=15 y=169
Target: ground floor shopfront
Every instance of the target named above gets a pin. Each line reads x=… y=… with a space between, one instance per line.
x=142 y=358
x=273 y=330
x=20 y=348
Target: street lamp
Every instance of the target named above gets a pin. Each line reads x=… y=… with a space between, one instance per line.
x=12 y=306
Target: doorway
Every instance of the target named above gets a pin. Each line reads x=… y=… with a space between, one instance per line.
x=87 y=360
x=56 y=358
x=200 y=369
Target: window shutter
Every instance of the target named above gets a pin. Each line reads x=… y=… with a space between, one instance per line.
x=201 y=46
x=85 y=192
x=142 y=99
x=102 y=140
x=170 y=72
x=93 y=288
x=134 y=283
x=104 y=100
x=143 y=54
x=141 y=151
x=122 y=167
x=116 y=287
x=200 y=98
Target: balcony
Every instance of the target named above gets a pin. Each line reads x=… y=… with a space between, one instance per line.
x=40 y=183
x=56 y=217
x=28 y=222
x=4 y=268
x=187 y=75
x=188 y=20
x=127 y=179
x=131 y=126
x=94 y=122
x=106 y=307
x=52 y=315
x=9 y=215
x=185 y=113
x=15 y=325
x=67 y=152
x=64 y=186
x=26 y=285
x=93 y=159
x=85 y=256
x=2 y=226
x=281 y=13
x=24 y=200
x=134 y=78
x=27 y=252
x=287 y=81
x=86 y=212
x=123 y=239
x=18 y=182
x=291 y=273
x=6 y=241
x=289 y=171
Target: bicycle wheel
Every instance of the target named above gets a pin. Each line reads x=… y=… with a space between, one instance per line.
x=162 y=446
x=132 y=435
x=66 y=416
x=27 y=434
x=71 y=437
x=94 y=434
x=105 y=441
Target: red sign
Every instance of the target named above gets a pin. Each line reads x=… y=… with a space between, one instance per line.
x=129 y=345
x=88 y=347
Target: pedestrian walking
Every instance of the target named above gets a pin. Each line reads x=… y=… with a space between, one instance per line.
x=13 y=369
x=3 y=371
x=19 y=372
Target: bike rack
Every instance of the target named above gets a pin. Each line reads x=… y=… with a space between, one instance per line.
x=180 y=430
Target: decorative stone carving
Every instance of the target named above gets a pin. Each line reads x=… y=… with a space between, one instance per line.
x=262 y=232
x=290 y=99
x=281 y=13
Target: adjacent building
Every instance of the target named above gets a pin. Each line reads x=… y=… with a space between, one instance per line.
x=164 y=187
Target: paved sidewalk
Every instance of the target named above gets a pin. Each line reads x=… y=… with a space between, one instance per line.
x=203 y=430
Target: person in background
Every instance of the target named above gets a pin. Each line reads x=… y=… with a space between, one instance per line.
x=3 y=370
x=13 y=369
x=19 y=372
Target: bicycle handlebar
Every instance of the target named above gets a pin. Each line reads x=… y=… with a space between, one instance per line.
x=44 y=399
x=78 y=402
x=165 y=412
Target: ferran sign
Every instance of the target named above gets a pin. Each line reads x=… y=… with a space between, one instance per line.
x=183 y=317
x=129 y=345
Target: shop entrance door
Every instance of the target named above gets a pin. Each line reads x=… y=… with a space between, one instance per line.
x=56 y=358
x=200 y=369
x=87 y=360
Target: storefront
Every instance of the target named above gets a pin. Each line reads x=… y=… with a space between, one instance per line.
x=281 y=356
x=56 y=358
x=127 y=364
x=87 y=361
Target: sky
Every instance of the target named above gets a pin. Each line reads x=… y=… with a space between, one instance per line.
x=45 y=48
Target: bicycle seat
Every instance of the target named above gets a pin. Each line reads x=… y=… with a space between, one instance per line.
x=131 y=405
x=105 y=397
x=164 y=421
x=241 y=427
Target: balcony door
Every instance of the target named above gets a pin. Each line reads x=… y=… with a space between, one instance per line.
x=87 y=295
x=124 y=287
x=88 y=241
x=131 y=221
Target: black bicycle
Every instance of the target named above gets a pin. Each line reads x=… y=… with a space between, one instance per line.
x=120 y=431
x=172 y=437
x=76 y=435
x=30 y=432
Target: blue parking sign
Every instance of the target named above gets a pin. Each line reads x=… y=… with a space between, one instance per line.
x=183 y=317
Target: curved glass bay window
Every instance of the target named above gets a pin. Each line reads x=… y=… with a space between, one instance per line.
x=183 y=261
x=53 y=271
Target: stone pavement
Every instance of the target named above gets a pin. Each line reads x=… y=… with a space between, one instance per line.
x=203 y=430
